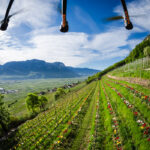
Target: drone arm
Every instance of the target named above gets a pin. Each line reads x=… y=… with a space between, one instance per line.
x=8 y=10
x=128 y=23
x=124 y=5
x=125 y=10
x=64 y=27
x=64 y=5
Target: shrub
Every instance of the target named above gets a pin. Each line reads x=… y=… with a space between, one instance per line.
x=4 y=115
x=59 y=93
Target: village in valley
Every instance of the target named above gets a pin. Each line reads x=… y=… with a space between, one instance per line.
x=4 y=91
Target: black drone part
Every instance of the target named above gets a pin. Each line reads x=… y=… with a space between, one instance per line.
x=4 y=25
x=129 y=26
x=64 y=28
x=128 y=23
x=8 y=10
x=64 y=4
x=124 y=5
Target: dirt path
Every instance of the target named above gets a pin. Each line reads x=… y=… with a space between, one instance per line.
x=139 y=81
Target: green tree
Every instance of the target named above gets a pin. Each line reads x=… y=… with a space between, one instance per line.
x=4 y=115
x=138 y=51
x=42 y=102
x=147 y=51
x=32 y=101
x=59 y=93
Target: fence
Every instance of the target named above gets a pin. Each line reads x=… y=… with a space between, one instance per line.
x=140 y=67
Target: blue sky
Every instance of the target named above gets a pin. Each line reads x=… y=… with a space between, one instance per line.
x=92 y=43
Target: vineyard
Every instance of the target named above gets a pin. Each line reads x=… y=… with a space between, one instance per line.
x=105 y=114
x=139 y=68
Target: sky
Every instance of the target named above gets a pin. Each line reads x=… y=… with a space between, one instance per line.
x=90 y=42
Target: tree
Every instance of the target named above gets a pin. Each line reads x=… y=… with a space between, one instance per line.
x=32 y=101
x=42 y=101
x=59 y=93
x=138 y=51
x=147 y=51
x=90 y=79
x=4 y=115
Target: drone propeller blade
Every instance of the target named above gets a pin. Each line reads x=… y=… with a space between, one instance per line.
x=140 y=15
x=15 y=13
x=1 y=21
x=59 y=9
x=114 y=18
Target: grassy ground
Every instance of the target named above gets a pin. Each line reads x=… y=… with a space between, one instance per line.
x=83 y=137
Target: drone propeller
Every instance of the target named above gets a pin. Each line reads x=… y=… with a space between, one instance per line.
x=59 y=9
x=113 y=18
x=1 y=21
x=15 y=13
x=4 y=23
x=140 y=15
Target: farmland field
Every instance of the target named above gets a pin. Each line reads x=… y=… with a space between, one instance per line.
x=105 y=114
x=24 y=87
x=109 y=114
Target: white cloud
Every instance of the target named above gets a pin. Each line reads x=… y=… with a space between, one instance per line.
x=117 y=53
x=73 y=49
x=67 y=48
x=6 y=41
x=134 y=42
x=108 y=41
x=36 y=13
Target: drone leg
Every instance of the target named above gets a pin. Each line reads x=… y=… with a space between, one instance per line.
x=64 y=5
x=64 y=26
x=129 y=25
x=8 y=10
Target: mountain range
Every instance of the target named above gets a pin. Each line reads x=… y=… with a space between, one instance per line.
x=34 y=69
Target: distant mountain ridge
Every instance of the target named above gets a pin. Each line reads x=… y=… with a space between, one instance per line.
x=34 y=68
